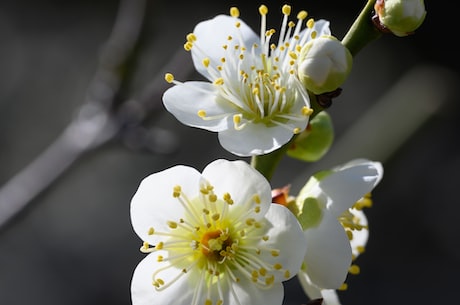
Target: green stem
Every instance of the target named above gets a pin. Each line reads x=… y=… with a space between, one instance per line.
x=362 y=31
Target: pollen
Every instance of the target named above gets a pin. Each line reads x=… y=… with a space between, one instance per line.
x=169 y=77
x=188 y=46
x=201 y=113
x=219 y=81
x=263 y=10
x=302 y=15
x=286 y=9
x=206 y=62
x=234 y=12
x=191 y=37
x=172 y=224
x=177 y=191
x=307 y=111
x=354 y=269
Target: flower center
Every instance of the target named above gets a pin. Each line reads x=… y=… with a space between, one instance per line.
x=216 y=243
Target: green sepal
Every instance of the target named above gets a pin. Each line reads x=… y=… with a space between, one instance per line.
x=314 y=142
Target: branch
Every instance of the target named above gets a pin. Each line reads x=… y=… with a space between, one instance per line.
x=91 y=127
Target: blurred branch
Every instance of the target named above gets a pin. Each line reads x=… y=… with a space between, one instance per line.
x=96 y=122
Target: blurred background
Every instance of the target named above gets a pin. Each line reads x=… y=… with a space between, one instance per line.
x=60 y=62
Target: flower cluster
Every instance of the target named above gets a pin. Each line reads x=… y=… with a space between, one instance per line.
x=224 y=236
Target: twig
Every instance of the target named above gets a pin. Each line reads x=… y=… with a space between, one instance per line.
x=93 y=125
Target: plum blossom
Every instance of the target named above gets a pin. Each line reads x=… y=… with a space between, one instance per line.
x=213 y=238
x=335 y=228
x=253 y=97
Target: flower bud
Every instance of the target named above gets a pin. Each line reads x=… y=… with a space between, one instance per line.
x=401 y=17
x=314 y=142
x=325 y=64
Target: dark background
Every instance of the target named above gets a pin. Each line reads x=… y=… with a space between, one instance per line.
x=74 y=244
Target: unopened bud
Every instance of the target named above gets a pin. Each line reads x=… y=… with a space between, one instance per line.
x=325 y=64
x=401 y=17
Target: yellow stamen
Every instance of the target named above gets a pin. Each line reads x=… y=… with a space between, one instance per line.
x=234 y=12
x=263 y=10
x=286 y=9
x=169 y=77
x=302 y=15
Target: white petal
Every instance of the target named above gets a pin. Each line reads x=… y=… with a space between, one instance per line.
x=328 y=255
x=213 y=34
x=330 y=297
x=153 y=203
x=285 y=234
x=144 y=293
x=248 y=293
x=254 y=139
x=310 y=290
x=350 y=183
x=322 y=27
x=185 y=100
x=240 y=180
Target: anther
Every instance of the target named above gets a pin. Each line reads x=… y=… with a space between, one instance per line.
x=354 y=269
x=302 y=15
x=169 y=77
x=263 y=10
x=343 y=287
x=219 y=81
x=306 y=111
x=191 y=37
x=177 y=191
x=172 y=224
x=286 y=9
x=234 y=12
x=206 y=62
x=188 y=46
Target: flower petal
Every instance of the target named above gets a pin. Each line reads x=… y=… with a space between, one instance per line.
x=240 y=180
x=185 y=100
x=245 y=292
x=328 y=255
x=286 y=235
x=153 y=203
x=144 y=293
x=254 y=139
x=213 y=34
x=349 y=183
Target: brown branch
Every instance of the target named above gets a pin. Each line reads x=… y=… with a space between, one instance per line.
x=92 y=126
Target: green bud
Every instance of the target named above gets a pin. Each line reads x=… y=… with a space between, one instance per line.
x=325 y=64
x=401 y=17
x=314 y=142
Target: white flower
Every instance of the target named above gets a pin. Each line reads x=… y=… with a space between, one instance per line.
x=354 y=221
x=254 y=98
x=213 y=238
x=325 y=205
